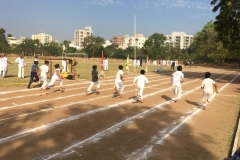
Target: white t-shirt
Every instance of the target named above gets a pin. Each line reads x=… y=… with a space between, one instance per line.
x=55 y=73
x=106 y=61
x=208 y=83
x=4 y=62
x=177 y=76
x=20 y=62
x=141 y=80
x=0 y=64
x=118 y=76
x=44 y=70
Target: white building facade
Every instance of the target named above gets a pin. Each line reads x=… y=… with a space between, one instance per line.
x=131 y=41
x=80 y=34
x=43 y=38
x=14 y=41
x=179 y=39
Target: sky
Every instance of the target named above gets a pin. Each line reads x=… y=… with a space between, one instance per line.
x=108 y=18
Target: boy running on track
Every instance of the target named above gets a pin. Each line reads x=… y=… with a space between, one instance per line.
x=34 y=74
x=56 y=77
x=94 y=80
x=176 y=80
x=141 y=80
x=43 y=75
x=207 y=86
x=119 y=80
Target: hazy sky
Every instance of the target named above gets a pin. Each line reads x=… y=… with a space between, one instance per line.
x=108 y=18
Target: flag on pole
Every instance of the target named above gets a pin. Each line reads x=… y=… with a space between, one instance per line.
x=102 y=65
x=127 y=62
x=141 y=61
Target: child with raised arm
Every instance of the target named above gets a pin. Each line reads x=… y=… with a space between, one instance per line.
x=176 y=81
x=141 y=80
x=57 y=77
x=119 y=81
x=207 y=86
x=43 y=75
x=94 y=80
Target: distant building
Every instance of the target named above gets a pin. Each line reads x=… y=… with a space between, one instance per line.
x=126 y=41
x=43 y=38
x=179 y=39
x=80 y=34
x=13 y=41
x=107 y=43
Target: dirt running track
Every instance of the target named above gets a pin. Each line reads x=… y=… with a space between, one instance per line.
x=69 y=125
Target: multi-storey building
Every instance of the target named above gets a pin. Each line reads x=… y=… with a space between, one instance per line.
x=43 y=38
x=80 y=34
x=126 y=41
x=179 y=39
x=13 y=41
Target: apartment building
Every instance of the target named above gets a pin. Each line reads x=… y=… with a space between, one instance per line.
x=80 y=34
x=126 y=41
x=179 y=39
x=43 y=38
x=14 y=41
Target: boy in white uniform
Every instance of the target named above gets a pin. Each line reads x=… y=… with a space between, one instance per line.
x=207 y=86
x=141 y=80
x=119 y=81
x=57 y=77
x=5 y=65
x=176 y=80
x=43 y=75
x=21 y=65
x=1 y=65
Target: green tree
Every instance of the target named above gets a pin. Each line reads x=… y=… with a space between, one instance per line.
x=227 y=22
x=93 y=44
x=3 y=42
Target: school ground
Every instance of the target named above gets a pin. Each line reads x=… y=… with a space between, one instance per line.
x=69 y=125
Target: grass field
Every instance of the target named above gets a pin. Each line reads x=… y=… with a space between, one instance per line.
x=83 y=68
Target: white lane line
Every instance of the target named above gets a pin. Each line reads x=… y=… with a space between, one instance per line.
x=53 y=99
x=27 y=132
x=144 y=151
x=114 y=128
x=69 y=89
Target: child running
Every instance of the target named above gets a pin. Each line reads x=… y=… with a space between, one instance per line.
x=176 y=80
x=207 y=86
x=141 y=80
x=119 y=80
x=34 y=74
x=57 y=77
x=94 y=80
x=43 y=75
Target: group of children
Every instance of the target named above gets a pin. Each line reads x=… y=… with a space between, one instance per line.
x=39 y=74
x=176 y=82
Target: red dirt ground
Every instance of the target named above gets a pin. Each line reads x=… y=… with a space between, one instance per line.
x=69 y=125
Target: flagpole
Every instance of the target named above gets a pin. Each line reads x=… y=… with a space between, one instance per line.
x=135 y=41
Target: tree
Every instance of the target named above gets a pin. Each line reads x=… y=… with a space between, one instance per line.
x=9 y=35
x=227 y=22
x=93 y=44
x=3 y=42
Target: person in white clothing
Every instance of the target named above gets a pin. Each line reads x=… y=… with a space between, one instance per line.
x=5 y=63
x=57 y=77
x=119 y=81
x=43 y=76
x=207 y=86
x=141 y=80
x=21 y=65
x=64 y=65
x=176 y=80
x=106 y=64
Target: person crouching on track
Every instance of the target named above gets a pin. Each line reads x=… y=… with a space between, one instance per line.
x=34 y=74
x=43 y=75
x=57 y=77
x=141 y=80
x=94 y=80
